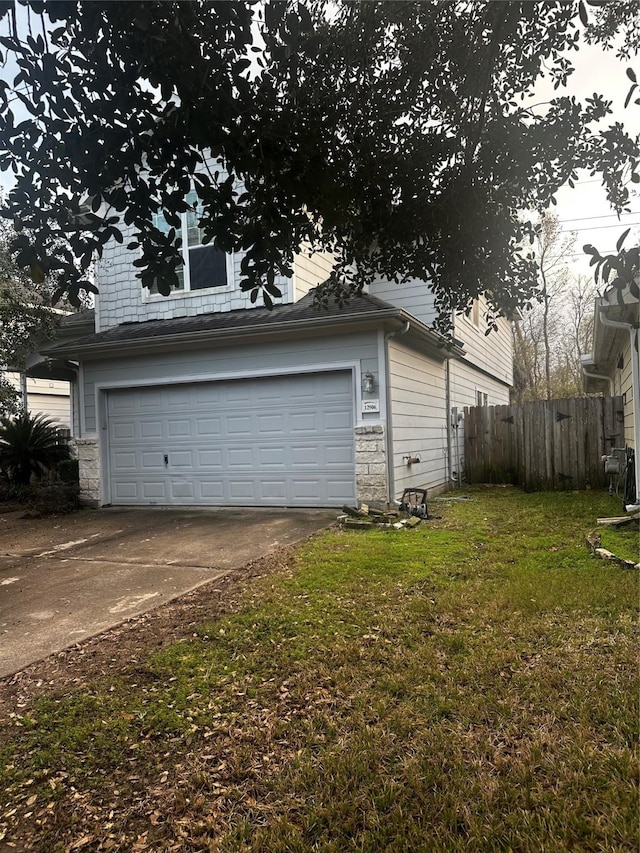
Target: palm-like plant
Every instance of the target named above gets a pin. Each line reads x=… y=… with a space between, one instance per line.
x=29 y=445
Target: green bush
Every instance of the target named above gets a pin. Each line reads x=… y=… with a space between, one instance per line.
x=54 y=498
x=29 y=447
x=69 y=471
x=12 y=494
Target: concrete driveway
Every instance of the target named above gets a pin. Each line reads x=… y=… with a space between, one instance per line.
x=63 y=580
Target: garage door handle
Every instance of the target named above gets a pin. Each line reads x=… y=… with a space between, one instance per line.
x=166 y=458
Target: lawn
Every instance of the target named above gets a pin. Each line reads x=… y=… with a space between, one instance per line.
x=470 y=685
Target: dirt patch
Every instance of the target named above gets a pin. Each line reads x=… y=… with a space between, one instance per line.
x=123 y=647
x=19 y=530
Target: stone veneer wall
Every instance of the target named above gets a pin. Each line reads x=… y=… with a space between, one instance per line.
x=86 y=451
x=371 y=464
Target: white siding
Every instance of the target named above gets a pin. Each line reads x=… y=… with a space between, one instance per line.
x=309 y=271
x=623 y=385
x=493 y=352
x=418 y=418
x=465 y=383
x=414 y=296
x=49 y=397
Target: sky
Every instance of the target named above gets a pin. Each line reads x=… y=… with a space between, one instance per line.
x=584 y=209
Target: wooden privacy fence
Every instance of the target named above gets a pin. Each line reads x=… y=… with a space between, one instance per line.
x=543 y=445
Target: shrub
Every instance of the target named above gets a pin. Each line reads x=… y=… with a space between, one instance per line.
x=53 y=498
x=69 y=471
x=29 y=446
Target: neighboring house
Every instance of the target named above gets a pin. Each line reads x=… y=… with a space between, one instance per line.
x=613 y=367
x=46 y=396
x=200 y=398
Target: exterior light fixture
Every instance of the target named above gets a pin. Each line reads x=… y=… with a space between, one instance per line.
x=368 y=382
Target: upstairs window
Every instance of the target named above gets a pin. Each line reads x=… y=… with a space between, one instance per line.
x=203 y=266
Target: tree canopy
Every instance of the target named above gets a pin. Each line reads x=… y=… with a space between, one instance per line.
x=26 y=316
x=402 y=136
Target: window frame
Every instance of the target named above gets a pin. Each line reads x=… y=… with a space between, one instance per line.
x=186 y=291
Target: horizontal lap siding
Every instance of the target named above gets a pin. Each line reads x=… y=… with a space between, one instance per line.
x=414 y=296
x=48 y=397
x=308 y=272
x=626 y=390
x=466 y=381
x=277 y=356
x=493 y=352
x=418 y=417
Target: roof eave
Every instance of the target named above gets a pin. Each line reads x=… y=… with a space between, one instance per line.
x=193 y=338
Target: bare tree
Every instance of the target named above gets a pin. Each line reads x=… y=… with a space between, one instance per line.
x=553 y=249
x=540 y=334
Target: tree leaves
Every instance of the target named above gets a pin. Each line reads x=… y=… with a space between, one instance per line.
x=392 y=135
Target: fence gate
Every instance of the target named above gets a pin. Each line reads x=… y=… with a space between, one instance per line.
x=543 y=445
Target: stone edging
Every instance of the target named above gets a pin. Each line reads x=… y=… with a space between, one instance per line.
x=594 y=541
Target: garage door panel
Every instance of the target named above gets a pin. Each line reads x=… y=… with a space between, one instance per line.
x=306 y=455
x=182 y=491
x=271 y=424
x=179 y=398
x=242 y=491
x=209 y=459
x=240 y=457
x=336 y=420
x=151 y=399
x=179 y=428
x=303 y=422
x=154 y=490
x=212 y=491
x=125 y=402
x=339 y=490
x=126 y=461
x=273 y=490
x=151 y=429
x=124 y=431
x=239 y=426
x=273 y=441
x=152 y=459
x=181 y=459
x=270 y=457
x=208 y=427
x=125 y=491
x=339 y=454
x=305 y=489
x=238 y=392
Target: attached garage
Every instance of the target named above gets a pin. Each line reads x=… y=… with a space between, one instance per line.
x=270 y=441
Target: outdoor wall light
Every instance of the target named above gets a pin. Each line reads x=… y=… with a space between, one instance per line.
x=368 y=382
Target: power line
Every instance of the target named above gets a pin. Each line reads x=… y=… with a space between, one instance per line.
x=603 y=227
x=602 y=216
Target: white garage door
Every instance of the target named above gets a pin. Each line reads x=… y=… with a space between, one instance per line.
x=277 y=441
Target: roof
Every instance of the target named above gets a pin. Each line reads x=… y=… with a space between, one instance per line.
x=621 y=306
x=85 y=317
x=305 y=314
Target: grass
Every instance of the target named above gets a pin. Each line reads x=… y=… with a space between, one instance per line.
x=470 y=685
x=624 y=542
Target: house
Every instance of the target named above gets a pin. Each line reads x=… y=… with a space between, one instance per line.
x=613 y=367
x=201 y=398
x=45 y=396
